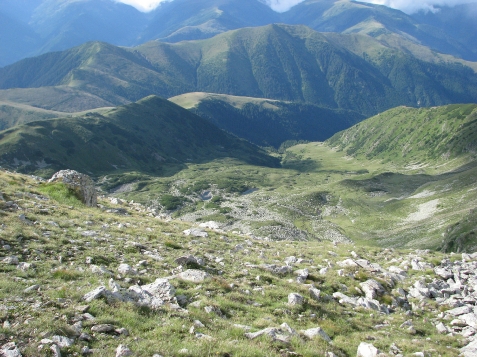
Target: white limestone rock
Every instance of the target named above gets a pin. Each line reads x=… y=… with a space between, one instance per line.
x=295 y=299
x=316 y=331
x=367 y=350
x=194 y=275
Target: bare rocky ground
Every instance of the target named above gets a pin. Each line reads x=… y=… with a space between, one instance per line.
x=119 y=279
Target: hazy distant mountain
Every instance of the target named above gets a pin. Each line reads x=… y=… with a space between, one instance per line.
x=63 y=24
x=197 y=19
x=378 y=21
x=20 y=10
x=292 y=63
x=459 y=22
x=17 y=39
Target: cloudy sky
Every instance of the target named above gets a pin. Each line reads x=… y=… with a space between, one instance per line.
x=408 y=6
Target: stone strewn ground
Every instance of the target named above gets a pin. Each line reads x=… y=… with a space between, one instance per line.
x=120 y=280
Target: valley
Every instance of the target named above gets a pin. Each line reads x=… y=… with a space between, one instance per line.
x=218 y=178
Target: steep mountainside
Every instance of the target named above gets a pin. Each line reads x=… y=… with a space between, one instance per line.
x=152 y=135
x=268 y=122
x=292 y=63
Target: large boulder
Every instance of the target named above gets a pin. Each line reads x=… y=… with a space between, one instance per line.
x=81 y=184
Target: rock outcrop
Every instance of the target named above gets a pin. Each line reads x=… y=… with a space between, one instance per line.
x=81 y=184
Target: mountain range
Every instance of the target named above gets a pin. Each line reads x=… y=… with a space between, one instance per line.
x=283 y=62
x=35 y=27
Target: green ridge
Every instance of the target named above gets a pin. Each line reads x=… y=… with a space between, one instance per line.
x=152 y=135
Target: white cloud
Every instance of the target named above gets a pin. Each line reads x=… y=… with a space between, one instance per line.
x=408 y=6
x=149 y=5
x=412 y=6
x=143 y=5
x=282 y=5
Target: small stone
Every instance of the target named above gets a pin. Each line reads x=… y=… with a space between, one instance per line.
x=95 y=294
x=103 y=328
x=315 y=293
x=295 y=299
x=317 y=331
x=10 y=350
x=367 y=350
x=196 y=232
x=82 y=308
x=441 y=328
x=11 y=260
x=122 y=331
x=55 y=350
x=126 y=269
x=123 y=351
x=194 y=275
x=81 y=184
x=32 y=288
x=62 y=341
x=85 y=337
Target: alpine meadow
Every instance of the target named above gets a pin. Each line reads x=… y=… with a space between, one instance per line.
x=245 y=178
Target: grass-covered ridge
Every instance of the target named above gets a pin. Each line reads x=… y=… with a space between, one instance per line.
x=415 y=136
x=152 y=135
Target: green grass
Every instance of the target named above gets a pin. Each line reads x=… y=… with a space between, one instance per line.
x=61 y=193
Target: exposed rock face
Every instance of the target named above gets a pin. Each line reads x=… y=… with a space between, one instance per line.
x=82 y=184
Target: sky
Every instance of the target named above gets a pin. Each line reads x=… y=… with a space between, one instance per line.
x=408 y=6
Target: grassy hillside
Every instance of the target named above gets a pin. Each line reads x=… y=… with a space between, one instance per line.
x=268 y=122
x=48 y=267
x=152 y=135
x=292 y=63
x=408 y=135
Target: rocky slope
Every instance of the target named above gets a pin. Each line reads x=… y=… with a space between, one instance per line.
x=118 y=280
